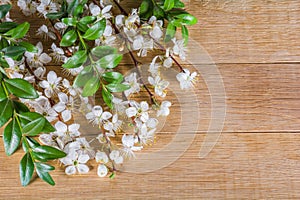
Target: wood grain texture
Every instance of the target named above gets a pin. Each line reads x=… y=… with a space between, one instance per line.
x=255 y=45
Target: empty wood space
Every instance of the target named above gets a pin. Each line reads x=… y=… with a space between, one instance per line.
x=254 y=46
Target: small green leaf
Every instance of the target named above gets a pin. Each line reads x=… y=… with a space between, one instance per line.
x=3 y=43
x=187 y=19
x=42 y=170
x=76 y=60
x=19 y=32
x=145 y=6
x=78 y=10
x=91 y=87
x=21 y=88
x=29 y=47
x=107 y=97
x=20 y=107
x=185 y=34
x=45 y=153
x=170 y=33
x=12 y=137
x=28 y=117
x=68 y=38
x=88 y=19
x=6 y=111
x=4 y=9
x=82 y=27
x=31 y=142
x=2 y=93
x=101 y=51
x=95 y=31
x=72 y=6
x=158 y=12
x=48 y=128
x=14 y=51
x=34 y=127
x=55 y=15
x=69 y=21
x=113 y=77
x=84 y=76
x=117 y=87
x=26 y=169
x=168 y=5
x=110 y=61
x=178 y=4
x=6 y=26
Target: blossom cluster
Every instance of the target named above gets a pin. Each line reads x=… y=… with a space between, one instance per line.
x=59 y=101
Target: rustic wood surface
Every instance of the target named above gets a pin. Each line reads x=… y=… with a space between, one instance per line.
x=255 y=45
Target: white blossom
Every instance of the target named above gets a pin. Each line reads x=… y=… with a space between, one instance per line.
x=38 y=59
x=186 y=79
x=101 y=157
x=159 y=85
x=116 y=156
x=97 y=116
x=45 y=33
x=131 y=80
x=75 y=162
x=179 y=48
x=164 y=109
x=64 y=106
x=51 y=85
x=28 y=7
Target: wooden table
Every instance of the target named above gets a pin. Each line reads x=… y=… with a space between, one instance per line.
x=256 y=47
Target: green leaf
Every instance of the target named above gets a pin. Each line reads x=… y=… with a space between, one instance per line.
x=117 y=87
x=6 y=26
x=187 y=19
x=158 y=12
x=76 y=60
x=29 y=47
x=42 y=170
x=69 y=21
x=68 y=38
x=178 y=4
x=45 y=153
x=14 y=51
x=26 y=169
x=145 y=6
x=29 y=141
x=91 y=87
x=21 y=88
x=55 y=15
x=28 y=117
x=72 y=6
x=170 y=33
x=20 y=107
x=2 y=93
x=82 y=27
x=19 y=32
x=107 y=97
x=4 y=9
x=12 y=137
x=6 y=111
x=87 y=20
x=110 y=61
x=185 y=34
x=113 y=77
x=82 y=78
x=78 y=10
x=34 y=127
x=95 y=31
x=168 y=5
x=3 y=43
x=101 y=51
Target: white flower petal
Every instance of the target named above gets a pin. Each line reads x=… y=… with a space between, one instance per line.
x=102 y=171
x=66 y=115
x=130 y=112
x=106 y=115
x=44 y=58
x=61 y=127
x=70 y=170
x=83 y=158
x=82 y=169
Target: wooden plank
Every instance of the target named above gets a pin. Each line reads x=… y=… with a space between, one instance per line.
x=248 y=31
x=241 y=166
x=258 y=97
